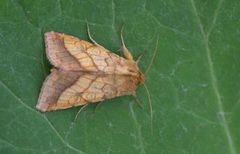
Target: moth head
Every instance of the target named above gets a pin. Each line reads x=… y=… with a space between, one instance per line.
x=135 y=71
x=140 y=75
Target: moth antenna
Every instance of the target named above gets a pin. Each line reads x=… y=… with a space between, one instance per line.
x=145 y=86
x=79 y=112
x=150 y=105
x=126 y=52
x=153 y=57
x=90 y=37
x=138 y=58
x=121 y=35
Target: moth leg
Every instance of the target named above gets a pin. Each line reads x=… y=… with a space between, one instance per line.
x=79 y=112
x=90 y=37
x=53 y=69
x=98 y=104
x=138 y=58
x=126 y=52
x=137 y=100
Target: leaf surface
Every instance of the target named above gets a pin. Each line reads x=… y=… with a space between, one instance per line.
x=193 y=79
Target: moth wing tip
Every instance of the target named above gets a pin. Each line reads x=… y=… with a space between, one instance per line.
x=49 y=33
x=42 y=107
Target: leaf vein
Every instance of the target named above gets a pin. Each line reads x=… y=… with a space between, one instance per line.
x=44 y=117
x=139 y=132
x=214 y=80
x=165 y=26
x=17 y=98
x=216 y=12
x=61 y=138
x=14 y=146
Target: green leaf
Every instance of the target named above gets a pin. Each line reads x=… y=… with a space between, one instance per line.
x=193 y=81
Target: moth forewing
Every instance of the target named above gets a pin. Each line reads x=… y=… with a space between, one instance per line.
x=84 y=73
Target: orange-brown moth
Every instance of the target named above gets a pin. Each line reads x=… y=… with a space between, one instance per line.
x=85 y=73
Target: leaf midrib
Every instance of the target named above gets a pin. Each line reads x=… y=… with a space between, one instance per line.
x=213 y=77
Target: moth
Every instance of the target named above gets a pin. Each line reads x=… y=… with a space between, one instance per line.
x=85 y=73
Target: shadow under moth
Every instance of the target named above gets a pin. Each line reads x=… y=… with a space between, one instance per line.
x=85 y=73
